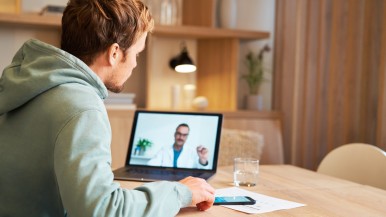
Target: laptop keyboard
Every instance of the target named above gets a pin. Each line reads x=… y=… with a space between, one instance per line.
x=160 y=174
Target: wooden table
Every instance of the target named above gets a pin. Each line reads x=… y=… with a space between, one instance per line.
x=323 y=195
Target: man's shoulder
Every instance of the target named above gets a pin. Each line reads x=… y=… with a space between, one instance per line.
x=77 y=96
x=68 y=100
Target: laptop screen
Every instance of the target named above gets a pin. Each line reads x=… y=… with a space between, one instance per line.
x=186 y=140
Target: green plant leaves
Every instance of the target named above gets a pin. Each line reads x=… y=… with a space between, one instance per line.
x=255 y=75
x=144 y=143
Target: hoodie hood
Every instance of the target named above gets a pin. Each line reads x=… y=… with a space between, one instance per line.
x=38 y=67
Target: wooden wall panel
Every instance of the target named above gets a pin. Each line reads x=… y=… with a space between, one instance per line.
x=285 y=81
x=381 y=124
x=329 y=74
x=216 y=74
x=199 y=12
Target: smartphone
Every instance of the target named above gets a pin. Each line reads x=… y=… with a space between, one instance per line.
x=236 y=200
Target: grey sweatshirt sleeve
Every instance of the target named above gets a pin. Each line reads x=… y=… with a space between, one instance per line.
x=82 y=161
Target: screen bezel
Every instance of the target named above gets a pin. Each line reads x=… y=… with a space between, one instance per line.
x=216 y=145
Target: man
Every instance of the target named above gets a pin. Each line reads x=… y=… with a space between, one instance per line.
x=54 y=130
x=178 y=155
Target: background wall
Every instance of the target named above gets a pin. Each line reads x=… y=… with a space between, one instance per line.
x=161 y=78
x=251 y=14
x=11 y=38
x=256 y=15
x=37 y=5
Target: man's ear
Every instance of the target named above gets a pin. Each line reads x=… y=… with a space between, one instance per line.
x=113 y=54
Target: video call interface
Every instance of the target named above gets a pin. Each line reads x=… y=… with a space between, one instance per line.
x=159 y=129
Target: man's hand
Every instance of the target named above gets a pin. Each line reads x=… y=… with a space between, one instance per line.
x=202 y=155
x=202 y=192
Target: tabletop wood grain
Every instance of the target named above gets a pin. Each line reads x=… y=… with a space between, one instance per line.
x=322 y=194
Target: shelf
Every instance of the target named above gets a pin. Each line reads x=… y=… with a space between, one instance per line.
x=208 y=32
x=54 y=21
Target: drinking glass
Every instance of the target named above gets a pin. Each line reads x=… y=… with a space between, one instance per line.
x=246 y=172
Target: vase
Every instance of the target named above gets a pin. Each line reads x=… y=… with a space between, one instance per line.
x=169 y=12
x=155 y=9
x=255 y=102
x=188 y=95
x=175 y=97
x=228 y=13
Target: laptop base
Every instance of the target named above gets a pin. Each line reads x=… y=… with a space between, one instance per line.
x=146 y=175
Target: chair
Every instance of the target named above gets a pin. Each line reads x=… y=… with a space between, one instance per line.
x=357 y=162
x=268 y=126
x=239 y=143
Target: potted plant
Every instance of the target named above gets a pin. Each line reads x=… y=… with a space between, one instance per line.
x=255 y=77
x=141 y=146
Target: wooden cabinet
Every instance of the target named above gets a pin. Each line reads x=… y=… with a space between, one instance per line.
x=217 y=52
x=217 y=49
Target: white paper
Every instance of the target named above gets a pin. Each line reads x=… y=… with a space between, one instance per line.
x=263 y=203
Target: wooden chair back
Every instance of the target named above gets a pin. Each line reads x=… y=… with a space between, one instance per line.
x=357 y=162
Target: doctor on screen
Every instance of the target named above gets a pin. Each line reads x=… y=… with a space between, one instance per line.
x=179 y=155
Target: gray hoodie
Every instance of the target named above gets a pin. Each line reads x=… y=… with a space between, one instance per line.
x=55 y=144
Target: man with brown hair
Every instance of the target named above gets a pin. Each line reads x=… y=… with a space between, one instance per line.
x=54 y=130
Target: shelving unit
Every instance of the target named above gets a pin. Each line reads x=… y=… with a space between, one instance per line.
x=217 y=49
x=29 y=19
x=195 y=32
x=217 y=73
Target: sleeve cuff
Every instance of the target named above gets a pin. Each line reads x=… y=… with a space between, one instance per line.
x=207 y=162
x=184 y=194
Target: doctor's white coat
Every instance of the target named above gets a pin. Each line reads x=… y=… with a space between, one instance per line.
x=187 y=159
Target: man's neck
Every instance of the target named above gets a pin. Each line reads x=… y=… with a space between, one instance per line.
x=177 y=147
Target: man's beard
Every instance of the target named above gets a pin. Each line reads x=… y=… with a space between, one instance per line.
x=180 y=143
x=114 y=88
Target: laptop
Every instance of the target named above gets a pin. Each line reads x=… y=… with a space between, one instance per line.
x=167 y=145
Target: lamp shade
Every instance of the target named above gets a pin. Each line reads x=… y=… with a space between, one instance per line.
x=183 y=63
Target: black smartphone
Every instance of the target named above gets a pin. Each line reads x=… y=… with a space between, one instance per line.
x=236 y=200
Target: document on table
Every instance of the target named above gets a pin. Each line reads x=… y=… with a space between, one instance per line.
x=263 y=203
